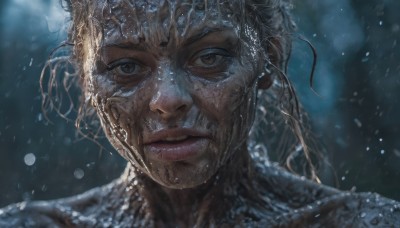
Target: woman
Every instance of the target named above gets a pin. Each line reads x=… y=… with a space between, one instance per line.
x=176 y=86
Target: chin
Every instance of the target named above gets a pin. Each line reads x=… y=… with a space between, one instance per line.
x=181 y=176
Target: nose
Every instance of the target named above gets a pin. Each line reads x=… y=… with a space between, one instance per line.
x=171 y=98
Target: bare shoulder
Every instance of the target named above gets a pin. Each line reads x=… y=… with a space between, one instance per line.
x=54 y=213
x=315 y=205
x=76 y=211
x=294 y=191
x=345 y=210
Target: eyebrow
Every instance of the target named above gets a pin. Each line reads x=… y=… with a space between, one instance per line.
x=203 y=33
x=127 y=44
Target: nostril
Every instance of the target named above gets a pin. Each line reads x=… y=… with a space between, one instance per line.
x=177 y=110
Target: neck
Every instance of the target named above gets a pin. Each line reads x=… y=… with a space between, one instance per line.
x=189 y=206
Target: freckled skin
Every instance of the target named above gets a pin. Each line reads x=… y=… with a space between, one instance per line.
x=181 y=64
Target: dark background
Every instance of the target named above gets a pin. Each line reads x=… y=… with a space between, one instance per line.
x=356 y=115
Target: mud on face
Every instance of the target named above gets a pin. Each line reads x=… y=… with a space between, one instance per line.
x=174 y=84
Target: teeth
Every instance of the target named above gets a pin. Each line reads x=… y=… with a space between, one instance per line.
x=170 y=139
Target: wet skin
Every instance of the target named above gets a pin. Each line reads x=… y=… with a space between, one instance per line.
x=175 y=89
x=175 y=100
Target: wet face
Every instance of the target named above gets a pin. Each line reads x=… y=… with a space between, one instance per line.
x=174 y=85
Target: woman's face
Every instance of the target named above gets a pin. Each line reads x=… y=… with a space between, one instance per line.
x=174 y=85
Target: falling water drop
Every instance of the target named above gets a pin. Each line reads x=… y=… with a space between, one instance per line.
x=40 y=117
x=396 y=152
x=29 y=159
x=79 y=173
x=358 y=122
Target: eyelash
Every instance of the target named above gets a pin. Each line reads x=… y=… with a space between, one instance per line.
x=220 y=60
x=139 y=70
x=223 y=57
x=114 y=65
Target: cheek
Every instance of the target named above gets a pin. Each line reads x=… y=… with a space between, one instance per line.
x=230 y=99
x=120 y=115
x=231 y=104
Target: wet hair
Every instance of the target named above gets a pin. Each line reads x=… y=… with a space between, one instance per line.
x=278 y=110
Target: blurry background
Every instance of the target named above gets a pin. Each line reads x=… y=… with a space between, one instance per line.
x=357 y=115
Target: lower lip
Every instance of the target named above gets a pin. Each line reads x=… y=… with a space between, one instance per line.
x=177 y=151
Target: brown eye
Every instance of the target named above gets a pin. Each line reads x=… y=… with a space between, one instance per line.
x=127 y=67
x=208 y=60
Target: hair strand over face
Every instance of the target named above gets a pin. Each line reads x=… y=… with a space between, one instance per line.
x=272 y=20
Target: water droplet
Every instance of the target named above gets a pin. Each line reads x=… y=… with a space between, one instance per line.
x=79 y=173
x=125 y=207
x=40 y=117
x=363 y=214
x=396 y=152
x=29 y=159
x=357 y=122
x=380 y=23
x=30 y=63
x=90 y=164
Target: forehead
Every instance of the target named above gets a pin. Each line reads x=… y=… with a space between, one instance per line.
x=160 y=22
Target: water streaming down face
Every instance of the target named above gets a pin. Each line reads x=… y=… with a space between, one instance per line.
x=165 y=65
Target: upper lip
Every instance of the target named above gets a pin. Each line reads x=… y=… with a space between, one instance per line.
x=165 y=134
